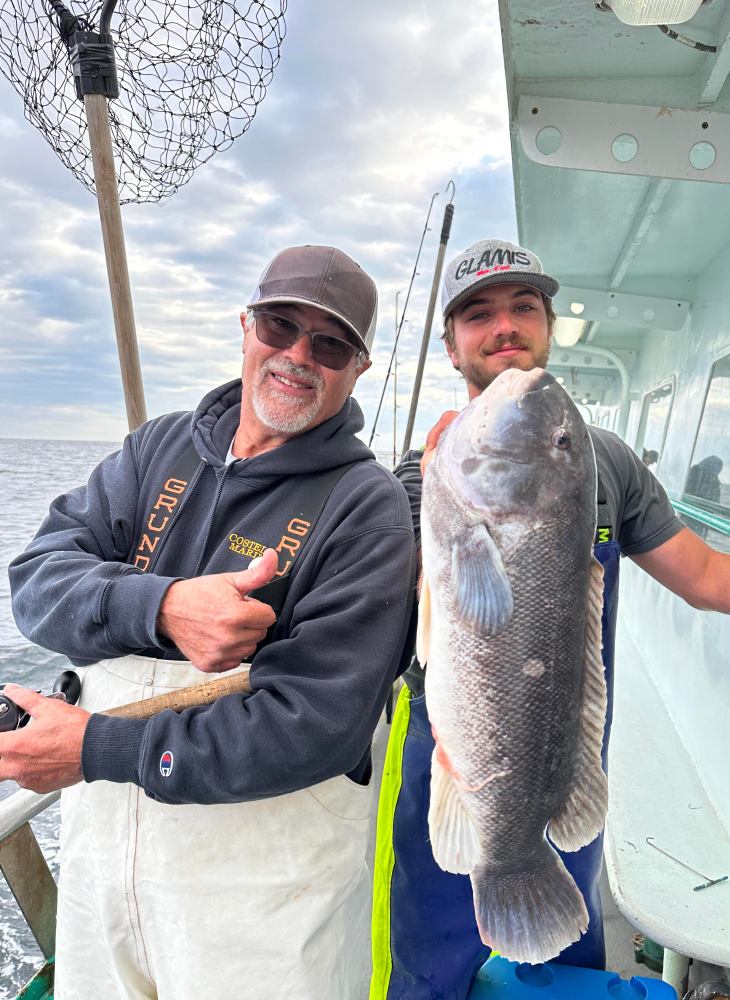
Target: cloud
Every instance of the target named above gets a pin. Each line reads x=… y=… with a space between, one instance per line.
x=372 y=109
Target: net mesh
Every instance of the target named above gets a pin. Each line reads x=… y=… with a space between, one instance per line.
x=191 y=76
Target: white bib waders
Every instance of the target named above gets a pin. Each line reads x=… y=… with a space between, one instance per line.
x=264 y=900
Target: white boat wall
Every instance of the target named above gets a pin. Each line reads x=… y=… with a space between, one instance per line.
x=621 y=155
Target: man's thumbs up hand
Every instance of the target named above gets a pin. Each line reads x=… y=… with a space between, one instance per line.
x=212 y=620
x=259 y=572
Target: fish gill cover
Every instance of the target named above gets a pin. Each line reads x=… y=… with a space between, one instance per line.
x=191 y=76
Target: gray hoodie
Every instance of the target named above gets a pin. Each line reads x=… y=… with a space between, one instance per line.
x=320 y=681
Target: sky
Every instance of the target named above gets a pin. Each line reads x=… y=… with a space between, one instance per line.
x=373 y=108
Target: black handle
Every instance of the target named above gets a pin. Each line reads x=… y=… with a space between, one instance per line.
x=68 y=683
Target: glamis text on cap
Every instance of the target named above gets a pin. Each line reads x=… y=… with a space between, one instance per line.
x=492 y=262
x=327 y=278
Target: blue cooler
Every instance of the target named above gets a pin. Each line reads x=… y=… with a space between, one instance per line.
x=499 y=979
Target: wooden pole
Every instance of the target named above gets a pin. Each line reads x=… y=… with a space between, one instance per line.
x=102 y=153
x=30 y=880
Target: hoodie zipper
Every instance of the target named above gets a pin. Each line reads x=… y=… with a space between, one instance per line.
x=188 y=493
x=208 y=533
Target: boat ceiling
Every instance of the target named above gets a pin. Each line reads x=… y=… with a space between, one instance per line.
x=653 y=231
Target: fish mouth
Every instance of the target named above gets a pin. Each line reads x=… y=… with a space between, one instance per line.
x=521 y=383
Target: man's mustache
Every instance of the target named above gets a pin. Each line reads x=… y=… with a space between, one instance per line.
x=505 y=342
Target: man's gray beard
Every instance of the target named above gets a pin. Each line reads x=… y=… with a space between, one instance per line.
x=281 y=413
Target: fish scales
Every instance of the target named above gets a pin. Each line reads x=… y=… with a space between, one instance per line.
x=510 y=630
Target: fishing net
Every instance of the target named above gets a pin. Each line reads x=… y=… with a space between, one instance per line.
x=191 y=75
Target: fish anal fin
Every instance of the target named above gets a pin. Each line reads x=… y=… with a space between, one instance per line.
x=482 y=590
x=454 y=838
x=581 y=817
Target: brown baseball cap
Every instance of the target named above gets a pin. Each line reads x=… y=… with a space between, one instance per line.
x=326 y=278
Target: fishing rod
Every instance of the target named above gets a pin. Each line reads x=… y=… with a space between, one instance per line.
x=402 y=318
x=445 y=233
x=68 y=688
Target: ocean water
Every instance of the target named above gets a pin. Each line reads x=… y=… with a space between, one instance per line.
x=32 y=473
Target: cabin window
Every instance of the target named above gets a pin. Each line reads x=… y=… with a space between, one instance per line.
x=653 y=424
x=607 y=417
x=707 y=487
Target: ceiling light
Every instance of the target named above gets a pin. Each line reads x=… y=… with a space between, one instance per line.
x=568 y=330
x=655 y=11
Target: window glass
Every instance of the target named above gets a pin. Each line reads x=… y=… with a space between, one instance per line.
x=653 y=424
x=708 y=480
x=608 y=417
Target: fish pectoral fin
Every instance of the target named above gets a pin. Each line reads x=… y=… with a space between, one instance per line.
x=454 y=839
x=483 y=593
x=423 y=631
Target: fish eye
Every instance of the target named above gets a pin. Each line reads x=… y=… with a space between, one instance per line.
x=561 y=439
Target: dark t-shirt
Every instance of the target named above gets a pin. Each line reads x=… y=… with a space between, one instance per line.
x=633 y=507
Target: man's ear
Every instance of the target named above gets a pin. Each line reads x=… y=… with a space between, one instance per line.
x=452 y=356
x=359 y=369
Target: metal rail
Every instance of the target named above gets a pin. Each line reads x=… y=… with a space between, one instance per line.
x=714 y=521
x=21 y=807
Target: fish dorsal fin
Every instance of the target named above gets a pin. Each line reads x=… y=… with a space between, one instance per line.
x=423 y=631
x=581 y=817
x=483 y=595
x=454 y=838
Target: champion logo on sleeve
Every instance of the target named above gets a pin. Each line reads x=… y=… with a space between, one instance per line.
x=166 y=764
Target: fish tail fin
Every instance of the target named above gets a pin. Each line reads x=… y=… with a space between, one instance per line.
x=581 y=817
x=532 y=915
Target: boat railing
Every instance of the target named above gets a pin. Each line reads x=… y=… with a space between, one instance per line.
x=24 y=867
x=704 y=514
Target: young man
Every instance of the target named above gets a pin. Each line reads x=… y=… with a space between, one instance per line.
x=498 y=315
x=221 y=852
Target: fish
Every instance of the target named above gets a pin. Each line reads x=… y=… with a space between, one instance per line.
x=510 y=630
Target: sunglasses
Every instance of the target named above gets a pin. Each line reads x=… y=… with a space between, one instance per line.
x=281 y=332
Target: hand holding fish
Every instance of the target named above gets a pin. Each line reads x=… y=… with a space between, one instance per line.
x=212 y=620
x=46 y=754
x=433 y=437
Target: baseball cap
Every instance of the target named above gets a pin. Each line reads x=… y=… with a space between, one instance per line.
x=326 y=278
x=493 y=262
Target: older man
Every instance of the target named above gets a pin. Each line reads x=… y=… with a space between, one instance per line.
x=221 y=852
x=497 y=307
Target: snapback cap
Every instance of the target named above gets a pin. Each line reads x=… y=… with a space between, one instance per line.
x=326 y=278
x=493 y=262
